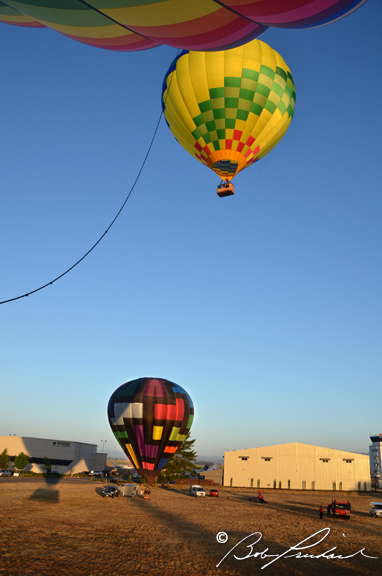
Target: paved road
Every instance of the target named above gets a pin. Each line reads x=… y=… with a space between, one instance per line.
x=51 y=481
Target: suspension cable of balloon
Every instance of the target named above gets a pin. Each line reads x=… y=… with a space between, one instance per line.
x=256 y=178
x=107 y=229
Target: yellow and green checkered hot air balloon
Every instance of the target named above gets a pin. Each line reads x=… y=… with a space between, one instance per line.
x=228 y=109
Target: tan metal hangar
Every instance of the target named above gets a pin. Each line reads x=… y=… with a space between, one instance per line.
x=297 y=466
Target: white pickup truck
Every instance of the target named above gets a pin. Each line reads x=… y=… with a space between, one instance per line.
x=375 y=509
x=196 y=490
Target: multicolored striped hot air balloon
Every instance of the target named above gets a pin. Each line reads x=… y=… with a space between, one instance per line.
x=187 y=24
x=229 y=109
x=150 y=418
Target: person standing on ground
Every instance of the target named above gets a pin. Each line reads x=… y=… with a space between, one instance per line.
x=321 y=512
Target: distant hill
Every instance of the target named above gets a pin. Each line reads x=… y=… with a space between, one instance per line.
x=203 y=460
x=120 y=458
x=116 y=454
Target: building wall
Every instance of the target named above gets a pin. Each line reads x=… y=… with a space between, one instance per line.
x=100 y=462
x=298 y=467
x=65 y=456
x=215 y=475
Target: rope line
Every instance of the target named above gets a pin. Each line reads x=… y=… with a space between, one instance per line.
x=110 y=225
x=257 y=177
x=112 y=19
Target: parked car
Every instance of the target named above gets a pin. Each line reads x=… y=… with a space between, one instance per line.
x=5 y=473
x=196 y=490
x=375 y=509
x=97 y=475
x=214 y=492
x=110 y=491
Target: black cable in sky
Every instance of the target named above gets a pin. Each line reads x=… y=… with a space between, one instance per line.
x=107 y=229
x=258 y=175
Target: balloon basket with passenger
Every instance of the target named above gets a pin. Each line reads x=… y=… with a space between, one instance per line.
x=225 y=188
x=144 y=493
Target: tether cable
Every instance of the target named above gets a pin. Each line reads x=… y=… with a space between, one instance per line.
x=257 y=177
x=110 y=225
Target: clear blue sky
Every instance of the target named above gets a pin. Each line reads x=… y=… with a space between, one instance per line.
x=265 y=306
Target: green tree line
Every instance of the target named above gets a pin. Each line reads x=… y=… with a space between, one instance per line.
x=20 y=462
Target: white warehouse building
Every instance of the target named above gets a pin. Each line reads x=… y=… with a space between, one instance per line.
x=64 y=456
x=297 y=466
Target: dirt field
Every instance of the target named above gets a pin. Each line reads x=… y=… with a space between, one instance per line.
x=67 y=528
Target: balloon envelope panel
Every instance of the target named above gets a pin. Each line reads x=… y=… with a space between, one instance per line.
x=88 y=23
x=294 y=13
x=228 y=109
x=9 y=15
x=189 y=24
x=150 y=417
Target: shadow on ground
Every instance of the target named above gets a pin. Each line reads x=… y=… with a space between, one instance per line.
x=220 y=553
x=48 y=494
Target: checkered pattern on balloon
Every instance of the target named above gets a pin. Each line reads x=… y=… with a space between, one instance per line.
x=150 y=417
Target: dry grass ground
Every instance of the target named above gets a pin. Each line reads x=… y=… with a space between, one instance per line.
x=67 y=528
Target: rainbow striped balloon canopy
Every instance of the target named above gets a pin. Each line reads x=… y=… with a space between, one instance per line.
x=150 y=417
x=228 y=109
x=188 y=24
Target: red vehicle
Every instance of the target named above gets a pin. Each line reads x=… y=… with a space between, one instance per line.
x=214 y=492
x=341 y=509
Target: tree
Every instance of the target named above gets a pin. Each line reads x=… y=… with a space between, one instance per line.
x=21 y=461
x=4 y=460
x=184 y=460
x=47 y=466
